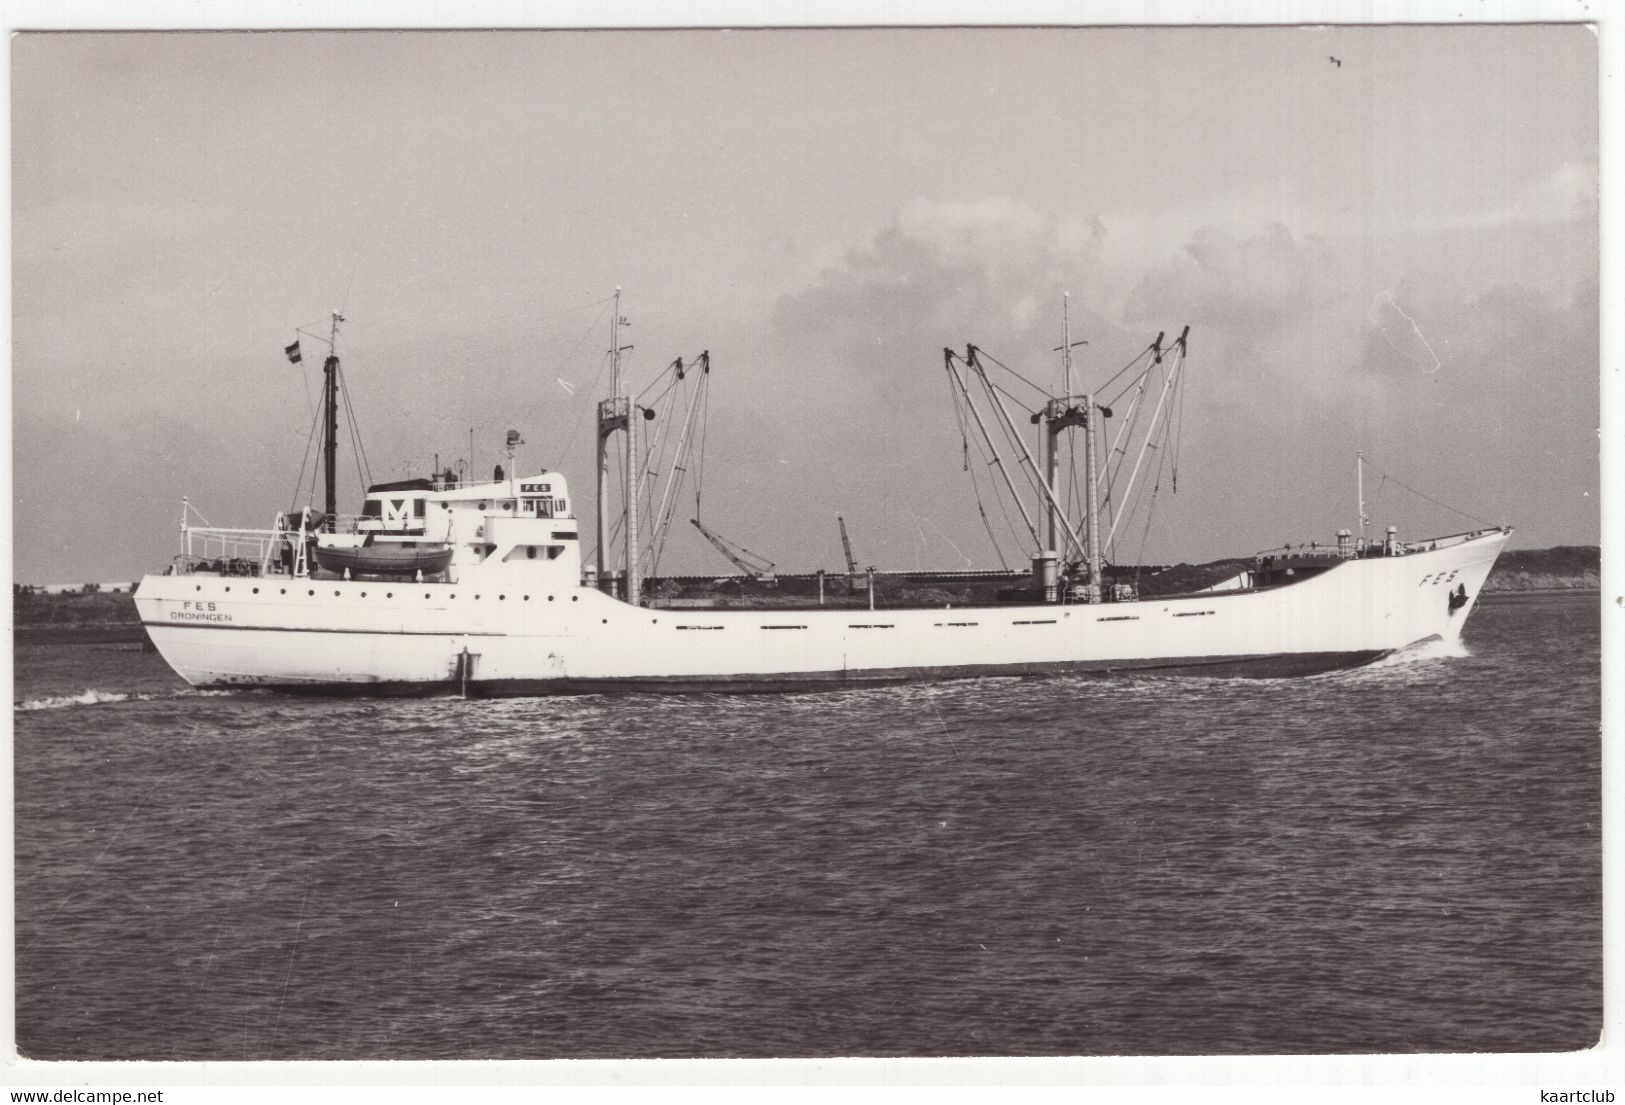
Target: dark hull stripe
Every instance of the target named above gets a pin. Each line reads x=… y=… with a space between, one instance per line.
x=314 y=629
x=1264 y=666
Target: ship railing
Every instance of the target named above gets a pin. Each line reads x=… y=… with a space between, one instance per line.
x=344 y=523
x=1358 y=549
x=1315 y=549
x=217 y=550
x=1452 y=539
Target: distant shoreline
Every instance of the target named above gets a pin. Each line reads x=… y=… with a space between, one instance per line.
x=1539 y=593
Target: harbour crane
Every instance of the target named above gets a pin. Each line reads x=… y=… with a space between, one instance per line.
x=758 y=567
x=846 y=545
x=853 y=580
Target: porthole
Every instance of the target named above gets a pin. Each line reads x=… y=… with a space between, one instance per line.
x=575 y=598
x=363 y=594
x=312 y=594
x=482 y=506
x=502 y=598
x=335 y=594
x=527 y=598
x=604 y=620
x=454 y=594
x=389 y=594
x=228 y=590
x=200 y=587
x=256 y=590
x=476 y=598
x=282 y=591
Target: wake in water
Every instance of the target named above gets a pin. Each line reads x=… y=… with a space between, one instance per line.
x=93 y=697
x=1418 y=663
x=1427 y=650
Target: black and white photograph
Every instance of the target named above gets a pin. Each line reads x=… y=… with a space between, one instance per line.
x=742 y=542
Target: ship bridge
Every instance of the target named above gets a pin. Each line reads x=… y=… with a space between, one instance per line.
x=515 y=521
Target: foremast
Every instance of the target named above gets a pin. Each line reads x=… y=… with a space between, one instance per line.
x=330 y=418
x=615 y=413
x=1057 y=416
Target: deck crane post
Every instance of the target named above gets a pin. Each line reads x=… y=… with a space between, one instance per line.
x=753 y=565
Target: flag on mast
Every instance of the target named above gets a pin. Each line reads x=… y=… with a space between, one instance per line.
x=293 y=352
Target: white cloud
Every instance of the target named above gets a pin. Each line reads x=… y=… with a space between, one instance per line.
x=996 y=228
x=1568 y=192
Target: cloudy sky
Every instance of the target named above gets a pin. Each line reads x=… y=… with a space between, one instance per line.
x=1382 y=239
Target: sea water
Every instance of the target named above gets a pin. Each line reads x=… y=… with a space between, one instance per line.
x=1401 y=858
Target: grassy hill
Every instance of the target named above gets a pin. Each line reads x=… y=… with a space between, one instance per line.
x=1565 y=567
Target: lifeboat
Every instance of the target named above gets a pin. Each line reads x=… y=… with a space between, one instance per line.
x=385 y=558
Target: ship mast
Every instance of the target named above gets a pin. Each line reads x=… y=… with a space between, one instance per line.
x=330 y=409
x=614 y=414
x=1091 y=470
x=1060 y=414
x=1359 y=485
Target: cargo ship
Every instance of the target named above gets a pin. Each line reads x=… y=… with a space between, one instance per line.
x=479 y=587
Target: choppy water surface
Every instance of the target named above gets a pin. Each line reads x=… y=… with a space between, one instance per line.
x=1401 y=858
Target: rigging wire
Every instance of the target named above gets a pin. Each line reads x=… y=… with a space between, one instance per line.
x=976 y=490
x=1150 y=513
x=680 y=464
x=1429 y=498
x=1179 y=427
x=1162 y=438
x=664 y=434
x=671 y=370
x=1042 y=391
x=581 y=416
x=580 y=420
x=300 y=483
x=1136 y=410
x=987 y=523
x=1006 y=429
x=699 y=465
x=1017 y=449
x=1012 y=398
x=304 y=372
x=355 y=437
x=1142 y=354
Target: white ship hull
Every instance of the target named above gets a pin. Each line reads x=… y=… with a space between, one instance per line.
x=509 y=636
